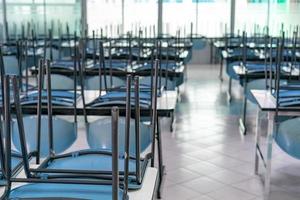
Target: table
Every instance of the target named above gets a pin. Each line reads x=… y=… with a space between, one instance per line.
x=178 y=72
x=267 y=103
x=245 y=77
x=166 y=105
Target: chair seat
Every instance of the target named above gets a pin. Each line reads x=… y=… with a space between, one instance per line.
x=62 y=191
x=288 y=137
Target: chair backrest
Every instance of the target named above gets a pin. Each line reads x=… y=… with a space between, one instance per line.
x=99 y=135
x=60 y=82
x=28 y=172
x=61 y=129
x=11 y=65
x=52 y=53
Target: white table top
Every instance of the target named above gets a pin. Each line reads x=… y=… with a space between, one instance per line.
x=147 y=192
x=267 y=102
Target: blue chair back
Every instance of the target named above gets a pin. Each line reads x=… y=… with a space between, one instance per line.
x=64 y=134
x=99 y=135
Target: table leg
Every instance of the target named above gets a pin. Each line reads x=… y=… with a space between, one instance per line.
x=257 y=141
x=161 y=167
x=269 y=153
x=211 y=51
x=172 y=122
x=221 y=69
x=229 y=90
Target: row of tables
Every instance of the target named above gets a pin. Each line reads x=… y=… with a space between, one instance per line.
x=264 y=98
x=166 y=105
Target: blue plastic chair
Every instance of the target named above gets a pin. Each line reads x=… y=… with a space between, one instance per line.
x=61 y=128
x=99 y=140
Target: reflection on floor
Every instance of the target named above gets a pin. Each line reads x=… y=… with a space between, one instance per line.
x=207 y=159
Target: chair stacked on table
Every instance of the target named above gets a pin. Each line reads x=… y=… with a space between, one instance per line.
x=284 y=90
x=42 y=75
x=251 y=60
x=111 y=165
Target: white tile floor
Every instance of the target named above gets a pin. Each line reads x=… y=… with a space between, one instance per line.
x=207 y=159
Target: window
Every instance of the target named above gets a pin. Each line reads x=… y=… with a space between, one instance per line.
x=208 y=17
x=251 y=16
x=141 y=14
x=105 y=15
x=60 y=13
x=287 y=13
x=178 y=15
x=213 y=17
x=40 y=15
x=26 y=13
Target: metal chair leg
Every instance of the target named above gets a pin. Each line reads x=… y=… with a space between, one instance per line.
x=160 y=159
x=243 y=128
x=229 y=96
x=257 y=141
x=221 y=70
